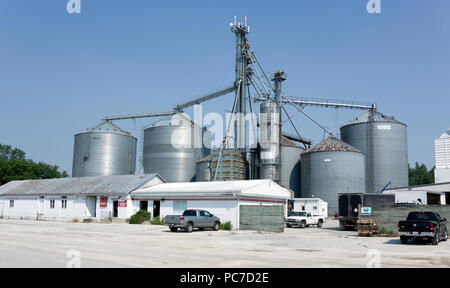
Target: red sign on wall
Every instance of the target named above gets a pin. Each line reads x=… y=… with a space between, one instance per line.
x=103 y=201
x=123 y=204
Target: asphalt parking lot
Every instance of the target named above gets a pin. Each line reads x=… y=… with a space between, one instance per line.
x=55 y=244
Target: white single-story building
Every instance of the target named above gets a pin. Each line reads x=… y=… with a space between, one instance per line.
x=230 y=201
x=70 y=199
x=315 y=206
x=430 y=194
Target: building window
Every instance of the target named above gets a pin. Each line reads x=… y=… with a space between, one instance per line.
x=314 y=207
x=63 y=204
x=52 y=204
x=179 y=207
x=11 y=203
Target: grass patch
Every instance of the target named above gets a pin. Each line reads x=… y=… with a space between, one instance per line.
x=226 y=226
x=384 y=231
x=158 y=221
x=140 y=217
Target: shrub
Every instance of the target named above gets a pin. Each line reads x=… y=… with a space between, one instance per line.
x=384 y=231
x=226 y=226
x=158 y=221
x=140 y=217
x=75 y=220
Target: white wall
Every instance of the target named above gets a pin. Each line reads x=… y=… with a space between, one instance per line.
x=442 y=175
x=411 y=197
x=315 y=207
x=24 y=208
x=225 y=210
x=29 y=208
x=1 y=208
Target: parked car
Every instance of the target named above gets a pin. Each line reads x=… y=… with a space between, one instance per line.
x=193 y=219
x=303 y=219
x=423 y=225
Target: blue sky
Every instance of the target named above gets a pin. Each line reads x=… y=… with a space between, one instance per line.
x=60 y=73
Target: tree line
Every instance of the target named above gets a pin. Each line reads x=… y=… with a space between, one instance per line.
x=420 y=175
x=15 y=166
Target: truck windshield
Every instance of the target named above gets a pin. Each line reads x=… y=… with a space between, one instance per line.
x=190 y=213
x=421 y=216
x=292 y=213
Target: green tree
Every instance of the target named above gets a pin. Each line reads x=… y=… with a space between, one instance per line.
x=9 y=153
x=420 y=175
x=15 y=166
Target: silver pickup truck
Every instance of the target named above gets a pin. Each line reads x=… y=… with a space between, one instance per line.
x=193 y=219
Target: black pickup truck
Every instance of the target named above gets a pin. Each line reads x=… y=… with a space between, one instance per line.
x=423 y=225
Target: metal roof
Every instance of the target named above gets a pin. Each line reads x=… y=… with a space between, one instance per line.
x=332 y=144
x=106 y=127
x=378 y=117
x=288 y=142
x=104 y=185
x=430 y=188
x=245 y=188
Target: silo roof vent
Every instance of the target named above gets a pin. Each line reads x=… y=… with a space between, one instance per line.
x=332 y=144
x=107 y=127
x=378 y=117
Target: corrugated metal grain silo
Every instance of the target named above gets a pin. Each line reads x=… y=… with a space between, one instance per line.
x=269 y=125
x=390 y=149
x=204 y=170
x=290 y=165
x=332 y=167
x=103 y=151
x=172 y=147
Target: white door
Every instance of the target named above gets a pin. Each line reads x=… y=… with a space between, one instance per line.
x=41 y=205
x=91 y=203
x=1 y=210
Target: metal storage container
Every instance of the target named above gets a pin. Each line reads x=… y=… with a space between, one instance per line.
x=103 y=151
x=269 y=124
x=329 y=168
x=290 y=165
x=390 y=149
x=204 y=170
x=172 y=147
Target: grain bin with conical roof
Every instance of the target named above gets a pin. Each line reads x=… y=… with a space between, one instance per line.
x=290 y=165
x=389 y=150
x=332 y=167
x=173 y=146
x=103 y=151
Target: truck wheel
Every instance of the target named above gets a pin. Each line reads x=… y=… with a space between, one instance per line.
x=435 y=240
x=319 y=224
x=445 y=235
x=404 y=240
x=302 y=224
x=189 y=228
x=216 y=226
x=174 y=229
